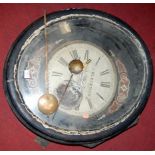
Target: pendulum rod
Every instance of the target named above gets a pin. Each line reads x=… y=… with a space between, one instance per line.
x=46 y=54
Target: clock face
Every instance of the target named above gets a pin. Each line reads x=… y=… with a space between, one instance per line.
x=92 y=90
x=79 y=77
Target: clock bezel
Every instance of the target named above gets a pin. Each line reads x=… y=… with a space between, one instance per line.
x=71 y=139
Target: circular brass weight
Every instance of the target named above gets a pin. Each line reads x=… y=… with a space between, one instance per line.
x=76 y=66
x=47 y=104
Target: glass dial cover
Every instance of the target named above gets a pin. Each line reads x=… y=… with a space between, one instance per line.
x=99 y=70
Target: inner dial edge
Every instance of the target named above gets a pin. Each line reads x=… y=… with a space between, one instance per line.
x=90 y=91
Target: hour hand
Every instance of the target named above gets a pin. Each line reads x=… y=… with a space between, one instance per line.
x=87 y=62
x=89 y=103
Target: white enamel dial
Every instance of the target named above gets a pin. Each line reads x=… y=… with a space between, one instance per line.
x=90 y=91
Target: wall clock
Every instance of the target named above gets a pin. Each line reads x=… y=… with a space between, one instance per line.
x=78 y=76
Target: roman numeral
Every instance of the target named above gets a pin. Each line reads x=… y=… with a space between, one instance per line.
x=86 y=56
x=105 y=84
x=100 y=96
x=98 y=60
x=56 y=73
x=104 y=72
x=74 y=54
x=63 y=61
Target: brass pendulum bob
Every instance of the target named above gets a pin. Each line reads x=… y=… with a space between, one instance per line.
x=48 y=104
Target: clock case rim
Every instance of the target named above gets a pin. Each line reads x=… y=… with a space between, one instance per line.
x=113 y=131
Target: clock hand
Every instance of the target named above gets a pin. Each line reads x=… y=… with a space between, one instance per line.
x=47 y=103
x=75 y=67
x=87 y=62
x=66 y=87
x=63 y=94
x=81 y=78
x=85 y=66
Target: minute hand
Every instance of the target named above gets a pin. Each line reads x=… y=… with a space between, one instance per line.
x=63 y=94
x=66 y=88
